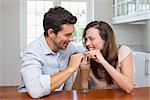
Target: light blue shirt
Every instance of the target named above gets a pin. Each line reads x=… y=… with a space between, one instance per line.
x=39 y=62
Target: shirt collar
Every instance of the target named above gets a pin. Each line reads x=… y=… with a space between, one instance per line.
x=44 y=45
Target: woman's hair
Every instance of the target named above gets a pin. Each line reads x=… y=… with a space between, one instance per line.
x=55 y=18
x=109 y=51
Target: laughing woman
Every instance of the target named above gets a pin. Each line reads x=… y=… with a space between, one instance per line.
x=111 y=64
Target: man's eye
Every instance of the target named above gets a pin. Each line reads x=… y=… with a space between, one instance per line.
x=67 y=35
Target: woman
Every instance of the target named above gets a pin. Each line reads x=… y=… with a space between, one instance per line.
x=111 y=64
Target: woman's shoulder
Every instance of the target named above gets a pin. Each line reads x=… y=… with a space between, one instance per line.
x=124 y=48
x=123 y=52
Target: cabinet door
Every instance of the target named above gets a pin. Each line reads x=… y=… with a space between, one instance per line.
x=142 y=76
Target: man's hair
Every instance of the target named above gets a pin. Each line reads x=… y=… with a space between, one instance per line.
x=55 y=18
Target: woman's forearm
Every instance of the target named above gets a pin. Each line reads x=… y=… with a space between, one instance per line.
x=120 y=79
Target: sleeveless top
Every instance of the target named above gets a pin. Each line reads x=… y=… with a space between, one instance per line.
x=124 y=51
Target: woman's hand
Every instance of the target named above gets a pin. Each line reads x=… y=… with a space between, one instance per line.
x=96 y=55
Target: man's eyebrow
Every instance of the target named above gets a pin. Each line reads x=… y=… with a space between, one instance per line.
x=68 y=34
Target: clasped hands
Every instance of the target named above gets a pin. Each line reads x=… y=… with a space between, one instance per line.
x=84 y=58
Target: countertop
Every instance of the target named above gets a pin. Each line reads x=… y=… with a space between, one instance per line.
x=141 y=93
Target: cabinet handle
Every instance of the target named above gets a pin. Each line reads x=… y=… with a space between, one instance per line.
x=146 y=67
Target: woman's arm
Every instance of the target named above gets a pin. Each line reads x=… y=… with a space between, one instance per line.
x=124 y=79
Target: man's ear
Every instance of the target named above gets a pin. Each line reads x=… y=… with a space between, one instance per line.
x=50 y=32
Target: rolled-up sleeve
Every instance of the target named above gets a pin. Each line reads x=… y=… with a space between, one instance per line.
x=36 y=83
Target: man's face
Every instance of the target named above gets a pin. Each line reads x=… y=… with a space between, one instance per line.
x=63 y=37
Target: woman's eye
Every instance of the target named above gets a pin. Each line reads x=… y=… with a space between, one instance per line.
x=91 y=39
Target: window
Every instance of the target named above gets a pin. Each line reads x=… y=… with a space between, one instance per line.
x=37 y=8
x=78 y=9
x=35 y=13
x=144 y=5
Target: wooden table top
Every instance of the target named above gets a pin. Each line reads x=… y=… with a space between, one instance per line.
x=141 y=93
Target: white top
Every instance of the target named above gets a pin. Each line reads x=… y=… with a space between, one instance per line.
x=123 y=53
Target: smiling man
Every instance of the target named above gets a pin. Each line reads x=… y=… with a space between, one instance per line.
x=50 y=60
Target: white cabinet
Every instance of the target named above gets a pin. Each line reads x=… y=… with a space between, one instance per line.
x=142 y=67
x=130 y=10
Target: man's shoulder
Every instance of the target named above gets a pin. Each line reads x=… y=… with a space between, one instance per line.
x=34 y=47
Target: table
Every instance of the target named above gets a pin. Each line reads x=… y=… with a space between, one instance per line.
x=140 y=93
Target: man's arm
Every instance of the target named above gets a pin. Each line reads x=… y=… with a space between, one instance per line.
x=58 y=78
x=39 y=84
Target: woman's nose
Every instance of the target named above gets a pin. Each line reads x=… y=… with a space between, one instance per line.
x=88 y=43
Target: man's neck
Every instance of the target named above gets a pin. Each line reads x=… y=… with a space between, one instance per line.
x=51 y=44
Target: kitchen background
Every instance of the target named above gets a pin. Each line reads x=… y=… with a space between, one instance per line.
x=130 y=20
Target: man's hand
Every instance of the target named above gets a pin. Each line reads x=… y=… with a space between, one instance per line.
x=75 y=61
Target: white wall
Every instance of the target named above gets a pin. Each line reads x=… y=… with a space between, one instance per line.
x=128 y=34
x=10 y=38
x=102 y=10
x=145 y=36
x=0 y=41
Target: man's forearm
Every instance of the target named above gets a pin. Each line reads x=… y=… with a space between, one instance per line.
x=62 y=76
x=59 y=78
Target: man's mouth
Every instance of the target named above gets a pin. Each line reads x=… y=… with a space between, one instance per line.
x=66 y=44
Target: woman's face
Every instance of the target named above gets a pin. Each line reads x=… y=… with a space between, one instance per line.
x=93 y=40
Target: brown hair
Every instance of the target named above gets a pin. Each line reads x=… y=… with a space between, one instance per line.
x=55 y=18
x=110 y=51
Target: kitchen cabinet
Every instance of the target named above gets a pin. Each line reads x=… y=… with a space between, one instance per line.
x=142 y=68
x=130 y=10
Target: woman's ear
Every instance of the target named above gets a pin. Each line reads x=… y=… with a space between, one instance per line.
x=51 y=32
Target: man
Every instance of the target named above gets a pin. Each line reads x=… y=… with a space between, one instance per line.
x=48 y=61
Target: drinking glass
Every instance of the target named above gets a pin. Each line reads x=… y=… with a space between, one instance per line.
x=85 y=69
